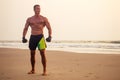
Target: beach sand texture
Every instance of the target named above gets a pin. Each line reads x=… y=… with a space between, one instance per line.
x=15 y=63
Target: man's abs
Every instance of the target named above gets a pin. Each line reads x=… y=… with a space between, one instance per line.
x=36 y=31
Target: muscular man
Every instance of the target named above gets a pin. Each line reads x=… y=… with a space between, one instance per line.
x=37 y=24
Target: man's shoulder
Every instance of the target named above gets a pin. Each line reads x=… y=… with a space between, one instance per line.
x=30 y=17
x=43 y=17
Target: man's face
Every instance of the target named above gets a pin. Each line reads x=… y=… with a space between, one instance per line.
x=37 y=10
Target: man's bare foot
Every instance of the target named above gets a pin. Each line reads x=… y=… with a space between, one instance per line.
x=44 y=74
x=31 y=72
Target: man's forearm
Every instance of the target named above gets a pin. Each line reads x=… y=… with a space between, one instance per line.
x=50 y=32
x=24 y=32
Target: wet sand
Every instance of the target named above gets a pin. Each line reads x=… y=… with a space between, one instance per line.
x=15 y=63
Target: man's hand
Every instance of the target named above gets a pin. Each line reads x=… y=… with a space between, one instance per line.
x=24 y=40
x=49 y=39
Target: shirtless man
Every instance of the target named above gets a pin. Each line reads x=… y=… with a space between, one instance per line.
x=37 y=24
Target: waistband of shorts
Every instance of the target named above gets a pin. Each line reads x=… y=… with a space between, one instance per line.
x=37 y=35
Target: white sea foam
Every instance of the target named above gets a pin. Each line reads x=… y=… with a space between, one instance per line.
x=71 y=46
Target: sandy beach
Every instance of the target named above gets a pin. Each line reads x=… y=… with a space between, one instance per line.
x=15 y=63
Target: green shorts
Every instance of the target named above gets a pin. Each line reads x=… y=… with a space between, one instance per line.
x=37 y=41
x=42 y=44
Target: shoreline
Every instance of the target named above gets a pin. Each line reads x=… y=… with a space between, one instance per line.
x=76 y=47
x=78 y=51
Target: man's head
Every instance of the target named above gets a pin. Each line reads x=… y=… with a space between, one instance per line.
x=37 y=9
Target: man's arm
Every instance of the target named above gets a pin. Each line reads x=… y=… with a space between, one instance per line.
x=49 y=30
x=26 y=27
x=25 y=31
x=48 y=27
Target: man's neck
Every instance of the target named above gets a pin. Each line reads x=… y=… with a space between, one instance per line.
x=37 y=15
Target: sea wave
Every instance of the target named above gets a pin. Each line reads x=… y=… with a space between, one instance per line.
x=72 y=46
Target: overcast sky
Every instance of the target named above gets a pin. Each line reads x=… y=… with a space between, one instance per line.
x=69 y=19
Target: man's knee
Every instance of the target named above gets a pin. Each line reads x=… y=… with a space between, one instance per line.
x=32 y=53
x=42 y=51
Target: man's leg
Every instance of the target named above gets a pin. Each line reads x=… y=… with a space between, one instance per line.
x=43 y=59
x=32 y=59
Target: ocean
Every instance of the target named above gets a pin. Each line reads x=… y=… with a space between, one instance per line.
x=98 y=47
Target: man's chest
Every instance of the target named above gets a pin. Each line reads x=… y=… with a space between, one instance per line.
x=37 y=22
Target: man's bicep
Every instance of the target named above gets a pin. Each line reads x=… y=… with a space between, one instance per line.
x=48 y=27
x=27 y=23
x=47 y=23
